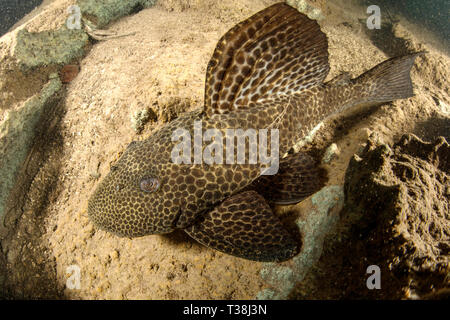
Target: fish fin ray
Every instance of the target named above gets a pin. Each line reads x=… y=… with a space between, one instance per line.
x=276 y=51
x=389 y=80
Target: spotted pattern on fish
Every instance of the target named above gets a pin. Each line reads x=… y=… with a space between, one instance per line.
x=266 y=73
x=251 y=60
x=237 y=229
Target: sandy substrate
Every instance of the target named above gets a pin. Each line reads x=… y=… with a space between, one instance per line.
x=162 y=67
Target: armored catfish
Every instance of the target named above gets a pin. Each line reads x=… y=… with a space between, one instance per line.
x=266 y=75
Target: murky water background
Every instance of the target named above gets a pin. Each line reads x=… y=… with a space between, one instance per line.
x=11 y=11
x=433 y=16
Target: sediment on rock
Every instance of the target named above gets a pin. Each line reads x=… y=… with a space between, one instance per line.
x=398 y=199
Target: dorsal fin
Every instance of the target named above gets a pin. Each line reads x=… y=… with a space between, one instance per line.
x=276 y=51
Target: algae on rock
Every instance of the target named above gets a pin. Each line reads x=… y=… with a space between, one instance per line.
x=49 y=47
x=102 y=12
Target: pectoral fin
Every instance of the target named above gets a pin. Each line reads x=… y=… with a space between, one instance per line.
x=245 y=226
x=299 y=176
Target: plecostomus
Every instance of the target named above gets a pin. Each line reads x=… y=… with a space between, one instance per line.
x=264 y=89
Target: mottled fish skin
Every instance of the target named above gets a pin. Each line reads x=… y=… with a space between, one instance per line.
x=266 y=73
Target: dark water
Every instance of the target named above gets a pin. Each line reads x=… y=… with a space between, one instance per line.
x=12 y=11
x=431 y=14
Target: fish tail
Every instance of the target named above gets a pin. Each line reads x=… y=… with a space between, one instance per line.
x=389 y=80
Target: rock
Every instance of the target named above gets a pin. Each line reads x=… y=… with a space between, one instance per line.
x=30 y=84
x=330 y=153
x=17 y=134
x=101 y=13
x=313 y=227
x=69 y=72
x=304 y=7
x=47 y=48
x=398 y=200
x=169 y=108
x=445 y=108
x=149 y=68
x=141 y=117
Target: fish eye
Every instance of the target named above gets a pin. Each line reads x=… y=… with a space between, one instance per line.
x=149 y=184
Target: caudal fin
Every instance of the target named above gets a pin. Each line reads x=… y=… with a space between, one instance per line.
x=390 y=80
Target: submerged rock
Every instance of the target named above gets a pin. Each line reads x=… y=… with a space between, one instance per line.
x=18 y=132
x=49 y=47
x=304 y=7
x=314 y=225
x=398 y=201
x=103 y=12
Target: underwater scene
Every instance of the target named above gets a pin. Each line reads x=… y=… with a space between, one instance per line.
x=225 y=150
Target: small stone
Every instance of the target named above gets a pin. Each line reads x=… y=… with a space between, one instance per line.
x=444 y=107
x=114 y=255
x=330 y=153
x=306 y=8
x=140 y=118
x=69 y=72
x=95 y=175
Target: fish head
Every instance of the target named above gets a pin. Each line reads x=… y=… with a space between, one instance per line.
x=135 y=198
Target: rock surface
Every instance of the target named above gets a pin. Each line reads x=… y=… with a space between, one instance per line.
x=400 y=198
x=396 y=216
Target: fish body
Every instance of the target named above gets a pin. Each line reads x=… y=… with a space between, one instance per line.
x=266 y=76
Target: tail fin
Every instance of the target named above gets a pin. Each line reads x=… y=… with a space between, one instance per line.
x=390 y=80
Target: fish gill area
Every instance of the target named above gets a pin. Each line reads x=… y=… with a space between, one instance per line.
x=72 y=100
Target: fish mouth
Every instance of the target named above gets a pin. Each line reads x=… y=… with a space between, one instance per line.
x=99 y=215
